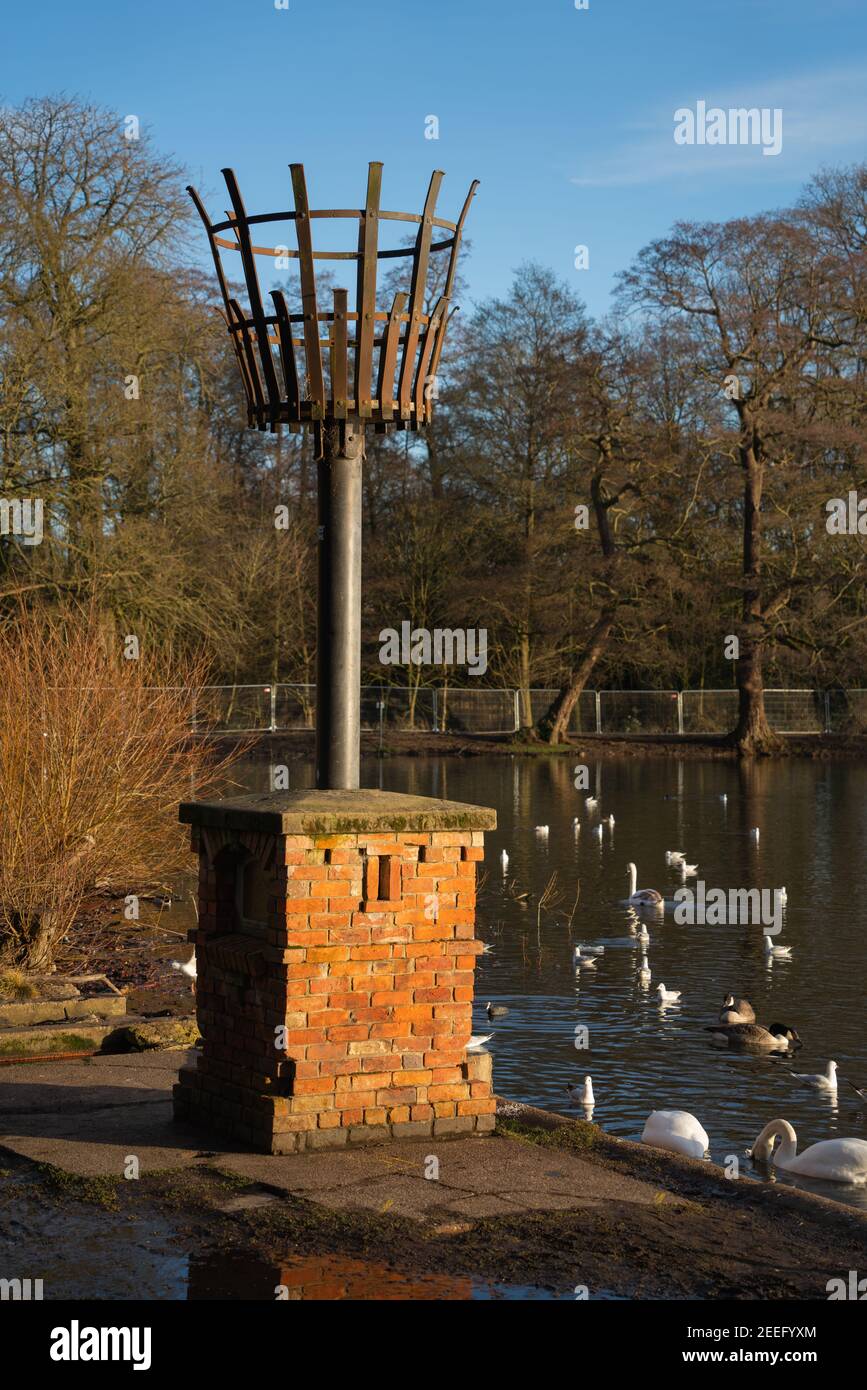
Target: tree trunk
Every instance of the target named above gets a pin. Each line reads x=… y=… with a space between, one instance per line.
x=753 y=733
x=554 y=723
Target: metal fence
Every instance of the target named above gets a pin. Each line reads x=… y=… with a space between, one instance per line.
x=429 y=709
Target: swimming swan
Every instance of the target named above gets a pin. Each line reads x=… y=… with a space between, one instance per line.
x=678 y=1132
x=641 y=897
x=825 y=1081
x=736 y=1011
x=837 y=1160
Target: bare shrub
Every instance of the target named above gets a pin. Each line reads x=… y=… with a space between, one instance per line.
x=95 y=753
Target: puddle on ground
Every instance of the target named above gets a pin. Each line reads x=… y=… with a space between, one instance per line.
x=335 y=1277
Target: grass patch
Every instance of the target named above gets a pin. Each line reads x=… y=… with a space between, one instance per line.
x=50 y=1042
x=15 y=985
x=577 y=1137
x=98 y=1191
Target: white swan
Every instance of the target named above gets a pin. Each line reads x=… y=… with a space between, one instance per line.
x=678 y=1132
x=836 y=1160
x=641 y=897
x=824 y=1081
x=778 y=952
x=667 y=996
x=644 y=971
x=504 y=860
x=478 y=1040
x=582 y=1095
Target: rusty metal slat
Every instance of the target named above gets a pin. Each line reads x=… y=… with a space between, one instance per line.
x=257 y=311
x=255 y=380
x=427 y=347
x=365 y=296
x=313 y=350
x=417 y=290
x=339 y=352
x=388 y=357
x=459 y=231
x=287 y=355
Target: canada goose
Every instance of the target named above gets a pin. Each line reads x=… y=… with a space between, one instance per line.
x=736 y=1011
x=825 y=1081
x=496 y=1010
x=836 y=1160
x=582 y=1094
x=773 y=952
x=775 y=1038
x=676 y=1131
x=641 y=897
x=504 y=860
x=667 y=996
x=478 y=1040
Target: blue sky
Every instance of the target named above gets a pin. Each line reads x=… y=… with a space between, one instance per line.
x=565 y=116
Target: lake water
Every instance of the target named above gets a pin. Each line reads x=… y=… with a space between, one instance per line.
x=813 y=836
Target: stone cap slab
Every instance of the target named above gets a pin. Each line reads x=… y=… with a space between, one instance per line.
x=336 y=813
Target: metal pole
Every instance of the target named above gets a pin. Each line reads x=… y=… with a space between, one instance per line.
x=338 y=653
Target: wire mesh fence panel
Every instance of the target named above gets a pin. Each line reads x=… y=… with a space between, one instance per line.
x=639 y=711
x=709 y=711
x=403 y=707
x=295 y=707
x=232 y=708
x=847 y=711
x=795 y=711
x=468 y=711
x=583 y=717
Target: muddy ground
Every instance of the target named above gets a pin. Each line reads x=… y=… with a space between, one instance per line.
x=683 y=1230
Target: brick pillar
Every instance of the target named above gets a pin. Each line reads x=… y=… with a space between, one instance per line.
x=335 y=953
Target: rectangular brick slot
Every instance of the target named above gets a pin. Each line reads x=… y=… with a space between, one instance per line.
x=334 y=1006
